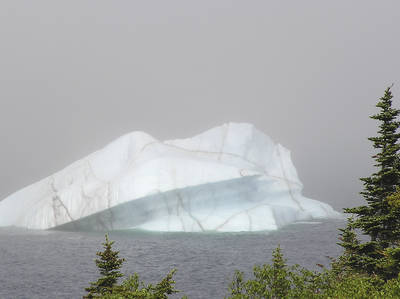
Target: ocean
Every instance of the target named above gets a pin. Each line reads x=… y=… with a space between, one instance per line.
x=59 y=264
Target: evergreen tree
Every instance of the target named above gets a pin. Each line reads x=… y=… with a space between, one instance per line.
x=108 y=264
x=350 y=243
x=376 y=219
x=390 y=263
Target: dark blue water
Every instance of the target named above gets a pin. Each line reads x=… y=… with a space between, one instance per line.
x=54 y=264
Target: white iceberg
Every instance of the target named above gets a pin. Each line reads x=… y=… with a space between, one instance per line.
x=229 y=178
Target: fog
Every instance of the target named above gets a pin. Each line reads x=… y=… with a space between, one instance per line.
x=75 y=75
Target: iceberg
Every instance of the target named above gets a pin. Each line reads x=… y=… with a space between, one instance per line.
x=228 y=179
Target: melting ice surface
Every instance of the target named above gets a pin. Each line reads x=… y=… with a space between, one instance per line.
x=229 y=178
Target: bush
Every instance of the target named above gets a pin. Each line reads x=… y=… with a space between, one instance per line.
x=281 y=281
x=133 y=288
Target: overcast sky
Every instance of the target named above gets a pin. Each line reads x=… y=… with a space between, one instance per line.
x=75 y=75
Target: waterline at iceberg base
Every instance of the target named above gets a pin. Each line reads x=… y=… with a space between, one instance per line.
x=230 y=178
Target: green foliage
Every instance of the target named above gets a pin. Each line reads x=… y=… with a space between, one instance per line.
x=389 y=264
x=108 y=264
x=348 y=286
x=272 y=281
x=349 y=241
x=394 y=201
x=106 y=287
x=280 y=281
x=379 y=219
x=133 y=288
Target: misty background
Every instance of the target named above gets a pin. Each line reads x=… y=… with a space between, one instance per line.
x=75 y=75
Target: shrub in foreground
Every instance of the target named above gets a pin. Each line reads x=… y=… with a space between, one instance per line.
x=278 y=280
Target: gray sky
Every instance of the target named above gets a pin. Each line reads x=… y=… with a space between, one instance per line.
x=75 y=75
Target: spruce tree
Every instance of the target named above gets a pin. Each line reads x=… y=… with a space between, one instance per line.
x=108 y=264
x=376 y=219
x=350 y=243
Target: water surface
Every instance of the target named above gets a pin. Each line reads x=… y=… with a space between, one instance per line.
x=55 y=264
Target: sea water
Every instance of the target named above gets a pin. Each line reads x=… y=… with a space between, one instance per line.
x=57 y=264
